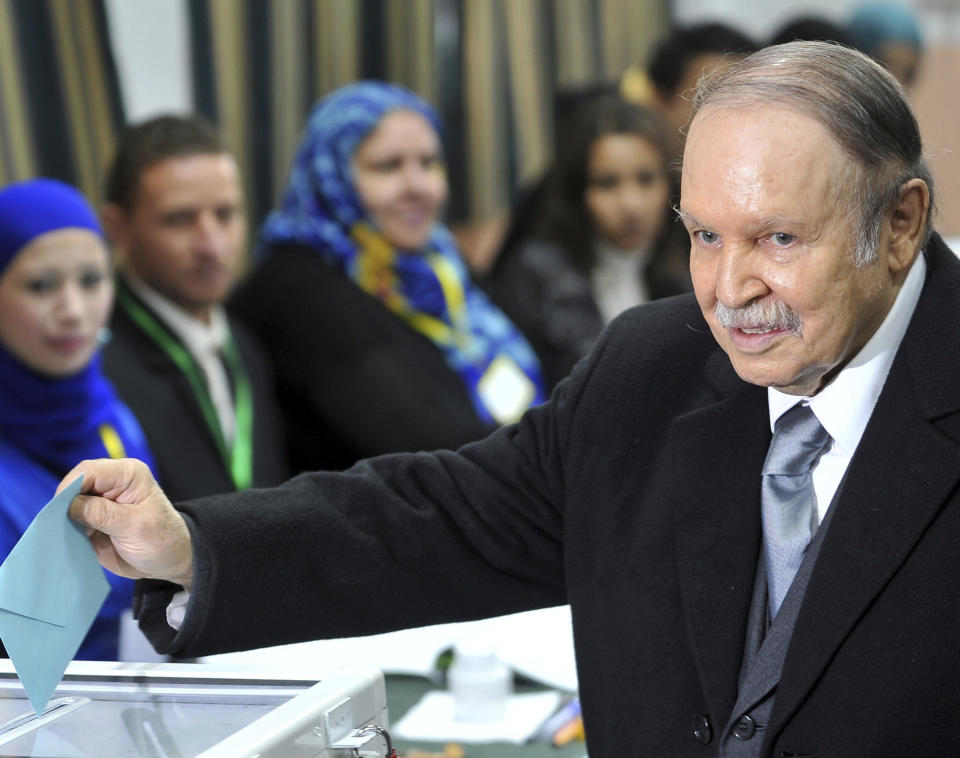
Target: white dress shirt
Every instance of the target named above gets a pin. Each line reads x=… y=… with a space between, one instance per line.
x=617 y=279
x=203 y=341
x=844 y=406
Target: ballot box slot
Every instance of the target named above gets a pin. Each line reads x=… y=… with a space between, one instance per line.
x=157 y=689
x=26 y=722
x=152 y=678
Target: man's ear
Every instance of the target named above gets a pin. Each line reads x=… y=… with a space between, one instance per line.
x=114 y=220
x=908 y=222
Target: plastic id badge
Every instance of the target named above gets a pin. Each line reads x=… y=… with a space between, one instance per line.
x=505 y=390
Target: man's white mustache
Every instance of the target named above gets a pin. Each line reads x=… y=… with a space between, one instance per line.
x=769 y=314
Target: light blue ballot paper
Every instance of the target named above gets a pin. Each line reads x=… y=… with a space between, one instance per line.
x=51 y=589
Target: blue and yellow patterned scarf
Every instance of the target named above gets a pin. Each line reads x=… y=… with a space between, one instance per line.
x=430 y=289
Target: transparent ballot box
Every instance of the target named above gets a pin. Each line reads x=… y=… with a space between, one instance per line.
x=176 y=710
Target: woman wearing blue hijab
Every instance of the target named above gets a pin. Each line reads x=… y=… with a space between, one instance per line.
x=380 y=340
x=56 y=407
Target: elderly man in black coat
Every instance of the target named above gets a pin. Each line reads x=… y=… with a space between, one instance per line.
x=715 y=613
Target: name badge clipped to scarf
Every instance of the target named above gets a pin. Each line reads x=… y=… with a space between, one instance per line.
x=505 y=390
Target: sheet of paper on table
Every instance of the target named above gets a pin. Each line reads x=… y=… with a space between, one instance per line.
x=537 y=644
x=433 y=719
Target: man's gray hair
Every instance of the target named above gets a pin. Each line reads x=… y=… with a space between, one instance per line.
x=857 y=100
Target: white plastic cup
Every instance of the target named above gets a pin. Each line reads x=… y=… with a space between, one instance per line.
x=479 y=682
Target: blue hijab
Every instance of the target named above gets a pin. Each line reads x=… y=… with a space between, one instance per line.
x=321 y=209
x=57 y=421
x=876 y=23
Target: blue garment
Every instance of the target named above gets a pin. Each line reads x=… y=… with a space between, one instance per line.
x=47 y=426
x=321 y=209
x=59 y=422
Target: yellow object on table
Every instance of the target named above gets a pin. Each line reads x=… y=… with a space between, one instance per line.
x=452 y=750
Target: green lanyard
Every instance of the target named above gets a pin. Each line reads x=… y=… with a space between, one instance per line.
x=239 y=456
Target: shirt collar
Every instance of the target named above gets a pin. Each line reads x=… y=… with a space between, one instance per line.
x=199 y=338
x=619 y=261
x=844 y=406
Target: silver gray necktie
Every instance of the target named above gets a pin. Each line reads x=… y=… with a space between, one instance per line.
x=787 y=497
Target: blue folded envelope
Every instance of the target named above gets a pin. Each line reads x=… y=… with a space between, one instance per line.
x=51 y=590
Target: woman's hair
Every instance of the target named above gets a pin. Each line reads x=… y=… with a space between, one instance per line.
x=566 y=220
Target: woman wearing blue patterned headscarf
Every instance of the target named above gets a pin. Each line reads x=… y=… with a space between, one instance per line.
x=56 y=407
x=381 y=341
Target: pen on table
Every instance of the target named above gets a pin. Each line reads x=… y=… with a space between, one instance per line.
x=560 y=718
x=569 y=732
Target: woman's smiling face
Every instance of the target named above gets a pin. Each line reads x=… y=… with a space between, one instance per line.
x=399 y=177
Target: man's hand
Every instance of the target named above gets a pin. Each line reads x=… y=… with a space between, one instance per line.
x=134 y=529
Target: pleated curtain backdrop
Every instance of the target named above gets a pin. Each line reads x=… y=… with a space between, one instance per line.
x=491 y=67
x=60 y=106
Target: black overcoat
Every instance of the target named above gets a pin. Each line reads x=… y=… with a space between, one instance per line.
x=634 y=495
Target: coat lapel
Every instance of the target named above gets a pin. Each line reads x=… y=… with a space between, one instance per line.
x=900 y=476
x=719 y=454
x=160 y=366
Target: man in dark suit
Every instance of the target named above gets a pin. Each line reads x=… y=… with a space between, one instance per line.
x=641 y=493
x=199 y=385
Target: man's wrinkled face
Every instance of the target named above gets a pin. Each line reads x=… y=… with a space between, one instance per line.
x=772 y=242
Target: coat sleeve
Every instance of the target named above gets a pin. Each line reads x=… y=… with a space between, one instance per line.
x=413 y=539
x=395 y=541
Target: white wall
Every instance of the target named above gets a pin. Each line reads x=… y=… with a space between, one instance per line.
x=939 y=19
x=152 y=49
x=758 y=18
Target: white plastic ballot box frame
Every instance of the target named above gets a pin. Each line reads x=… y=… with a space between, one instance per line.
x=342 y=713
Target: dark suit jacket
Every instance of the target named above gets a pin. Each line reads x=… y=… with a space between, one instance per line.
x=188 y=460
x=634 y=495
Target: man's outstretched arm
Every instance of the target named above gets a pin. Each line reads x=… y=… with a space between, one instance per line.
x=134 y=529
